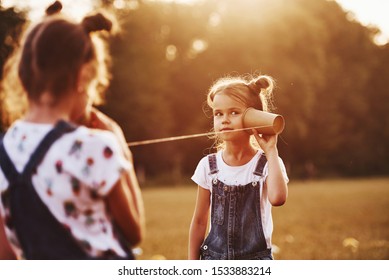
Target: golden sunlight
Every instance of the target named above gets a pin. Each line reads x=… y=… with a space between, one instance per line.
x=75 y=9
x=189 y=2
x=370 y=12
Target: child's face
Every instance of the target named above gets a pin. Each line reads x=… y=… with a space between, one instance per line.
x=227 y=116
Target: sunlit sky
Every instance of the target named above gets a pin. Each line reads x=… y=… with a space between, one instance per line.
x=368 y=12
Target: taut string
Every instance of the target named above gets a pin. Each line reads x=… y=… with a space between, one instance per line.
x=175 y=138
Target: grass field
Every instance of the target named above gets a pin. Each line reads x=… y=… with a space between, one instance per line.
x=325 y=220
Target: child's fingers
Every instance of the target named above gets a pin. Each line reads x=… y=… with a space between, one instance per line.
x=257 y=137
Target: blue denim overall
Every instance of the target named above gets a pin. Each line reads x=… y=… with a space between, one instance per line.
x=40 y=234
x=236 y=225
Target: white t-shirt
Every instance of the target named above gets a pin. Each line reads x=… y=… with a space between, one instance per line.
x=239 y=175
x=79 y=169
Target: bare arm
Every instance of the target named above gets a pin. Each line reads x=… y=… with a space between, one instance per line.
x=277 y=188
x=125 y=200
x=199 y=223
x=126 y=206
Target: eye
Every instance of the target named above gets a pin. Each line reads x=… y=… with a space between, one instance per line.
x=234 y=113
x=217 y=114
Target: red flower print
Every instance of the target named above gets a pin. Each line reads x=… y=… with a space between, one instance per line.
x=107 y=152
x=58 y=166
x=89 y=161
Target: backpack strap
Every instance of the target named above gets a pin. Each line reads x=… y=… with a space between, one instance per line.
x=212 y=164
x=260 y=165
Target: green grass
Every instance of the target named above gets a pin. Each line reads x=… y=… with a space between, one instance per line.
x=326 y=220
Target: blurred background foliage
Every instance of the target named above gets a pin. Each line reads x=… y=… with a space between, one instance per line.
x=332 y=81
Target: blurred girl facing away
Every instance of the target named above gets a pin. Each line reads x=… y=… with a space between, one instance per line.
x=238 y=184
x=67 y=191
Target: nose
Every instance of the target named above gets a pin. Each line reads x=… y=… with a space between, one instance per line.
x=225 y=119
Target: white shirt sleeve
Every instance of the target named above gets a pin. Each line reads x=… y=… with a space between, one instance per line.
x=96 y=161
x=201 y=175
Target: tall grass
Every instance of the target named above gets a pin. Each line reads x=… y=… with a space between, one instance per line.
x=329 y=219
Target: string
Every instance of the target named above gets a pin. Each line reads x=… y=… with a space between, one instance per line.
x=175 y=138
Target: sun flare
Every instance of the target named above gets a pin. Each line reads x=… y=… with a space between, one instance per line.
x=71 y=8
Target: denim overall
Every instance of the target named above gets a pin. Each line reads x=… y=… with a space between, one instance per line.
x=236 y=225
x=40 y=234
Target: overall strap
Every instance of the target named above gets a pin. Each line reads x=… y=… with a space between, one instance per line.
x=212 y=164
x=6 y=164
x=9 y=168
x=260 y=165
x=60 y=129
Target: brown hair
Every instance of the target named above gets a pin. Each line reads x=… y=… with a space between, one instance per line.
x=252 y=92
x=51 y=58
x=54 y=52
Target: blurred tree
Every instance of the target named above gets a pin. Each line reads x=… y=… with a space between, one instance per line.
x=341 y=105
x=331 y=84
x=376 y=124
x=137 y=98
x=323 y=63
x=11 y=22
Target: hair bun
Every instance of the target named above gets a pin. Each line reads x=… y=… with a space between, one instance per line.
x=54 y=8
x=96 y=22
x=261 y=83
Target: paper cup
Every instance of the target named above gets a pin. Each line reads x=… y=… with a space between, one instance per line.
x=264 y=122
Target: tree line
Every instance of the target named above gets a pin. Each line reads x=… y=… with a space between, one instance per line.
x=331 y=81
